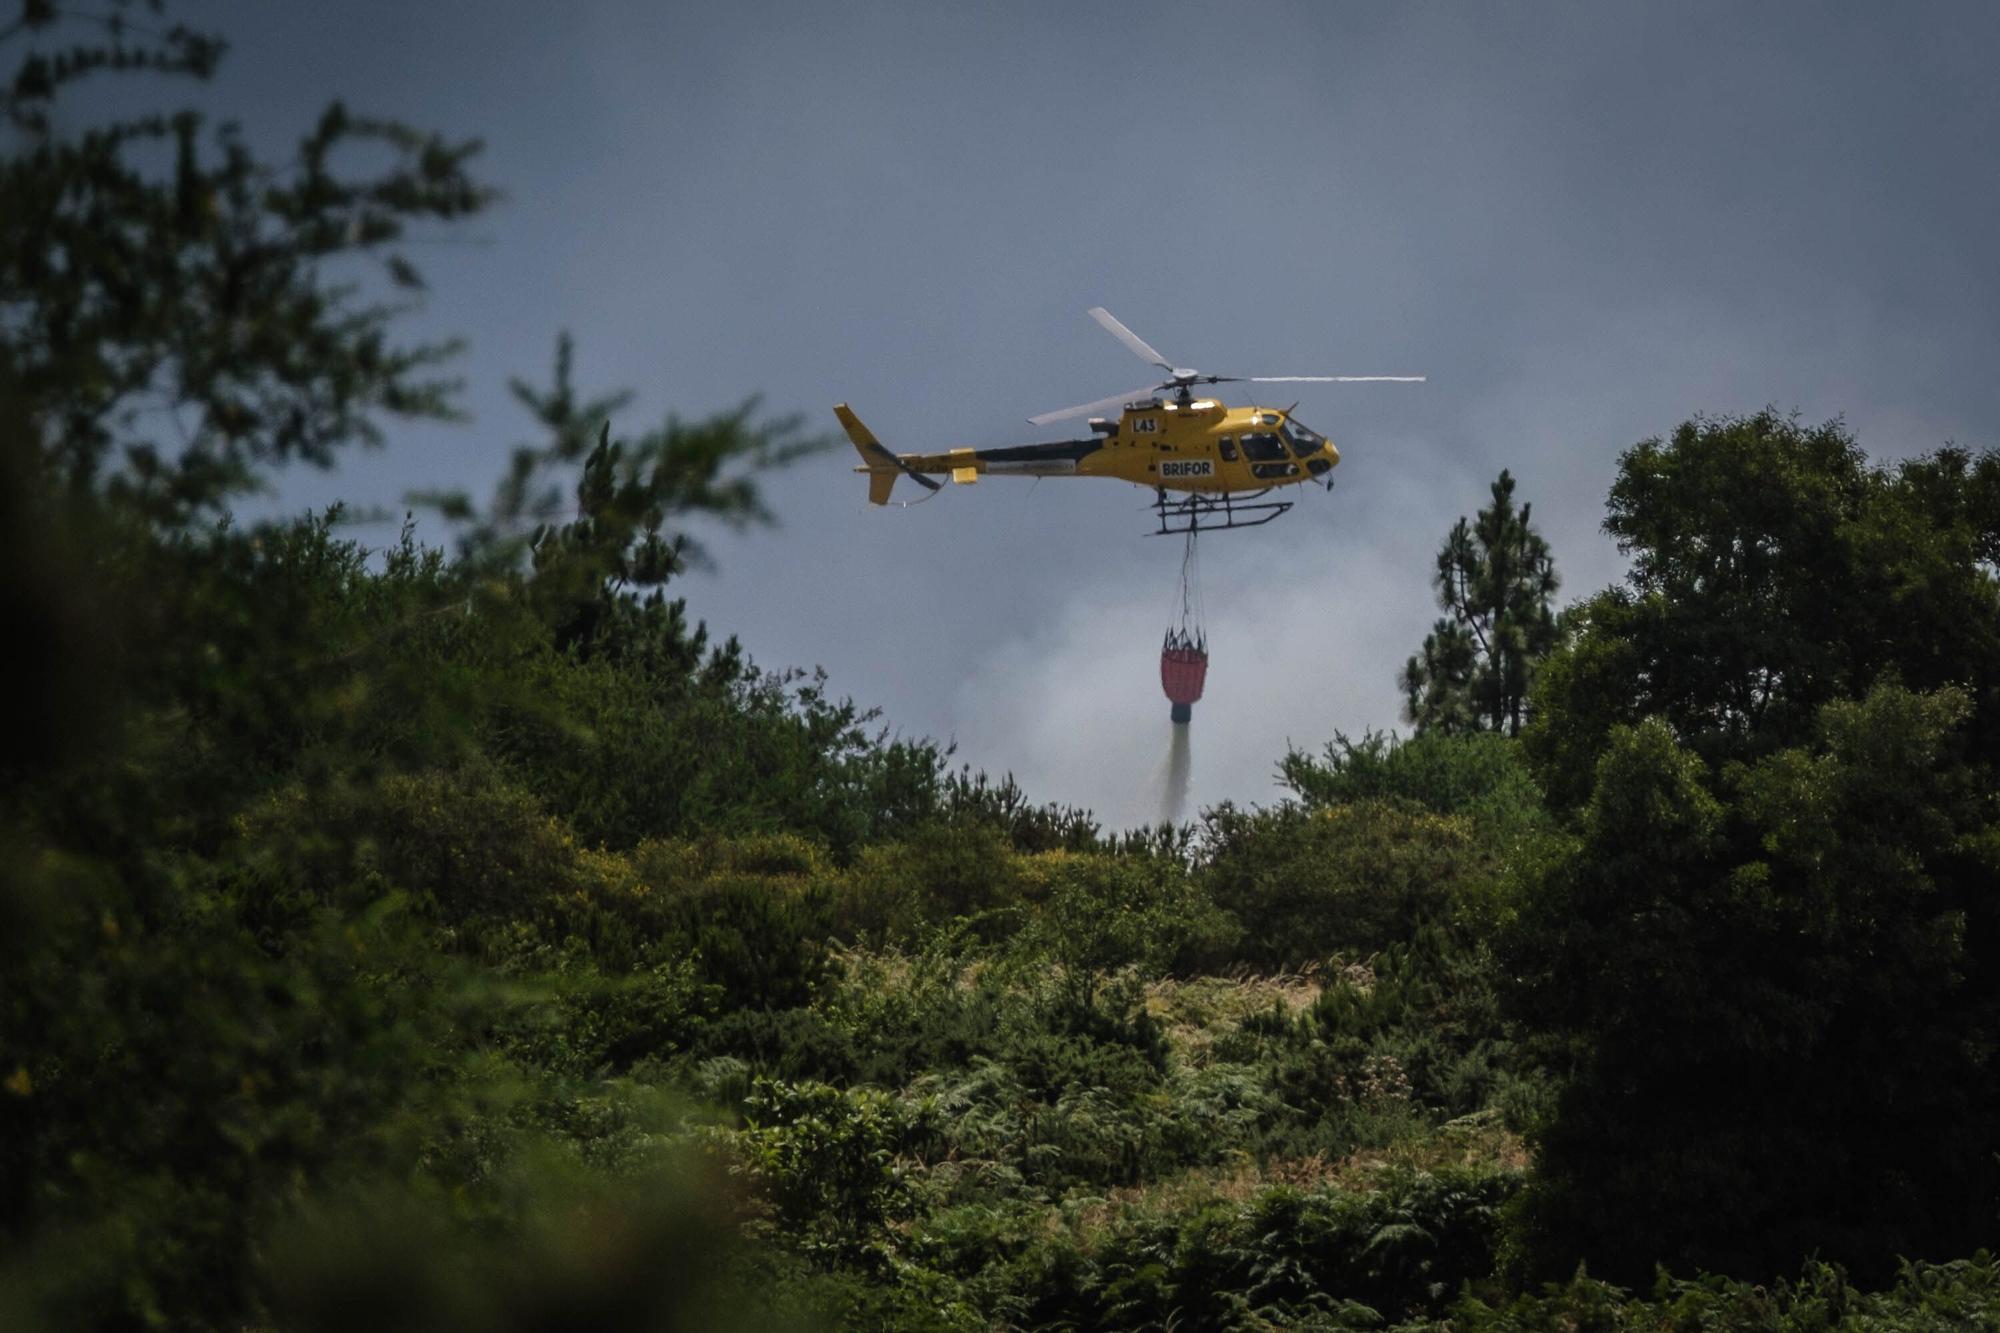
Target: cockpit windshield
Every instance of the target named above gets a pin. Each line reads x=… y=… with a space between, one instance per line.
x=1304 y=440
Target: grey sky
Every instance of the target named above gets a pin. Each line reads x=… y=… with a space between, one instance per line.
x=1585 y=222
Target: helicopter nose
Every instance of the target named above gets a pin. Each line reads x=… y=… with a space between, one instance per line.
x=1332 y=454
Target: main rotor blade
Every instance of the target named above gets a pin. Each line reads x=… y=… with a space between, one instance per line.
x=1335 y=379
x=1084 y=409
x=1140 y=348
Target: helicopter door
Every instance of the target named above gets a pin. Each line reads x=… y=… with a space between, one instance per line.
x=1228 y=446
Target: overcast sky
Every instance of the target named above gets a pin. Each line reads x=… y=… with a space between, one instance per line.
x=1585 y=222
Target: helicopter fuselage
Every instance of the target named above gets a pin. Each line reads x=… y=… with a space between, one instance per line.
x=1197 y=446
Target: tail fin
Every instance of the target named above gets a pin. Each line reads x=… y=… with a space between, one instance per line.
x=882 y=466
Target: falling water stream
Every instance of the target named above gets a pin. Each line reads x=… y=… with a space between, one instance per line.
x=1173 y=796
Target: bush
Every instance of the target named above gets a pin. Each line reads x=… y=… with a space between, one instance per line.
x=1097 y=912
x=896 y=892
x=1322 y=1258
x=755 y=916
x=828 y=1161
x=1483 y=775
x=1349 y=880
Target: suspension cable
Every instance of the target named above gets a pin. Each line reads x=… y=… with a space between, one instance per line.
x=1190 y=632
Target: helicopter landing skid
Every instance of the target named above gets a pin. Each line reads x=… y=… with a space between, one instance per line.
x=1195 y=512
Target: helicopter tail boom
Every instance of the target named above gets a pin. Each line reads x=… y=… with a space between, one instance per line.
x=882 y=466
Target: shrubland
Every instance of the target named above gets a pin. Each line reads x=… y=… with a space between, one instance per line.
x=463 y=938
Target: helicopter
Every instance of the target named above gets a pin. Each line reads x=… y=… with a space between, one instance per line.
x=1209 y=466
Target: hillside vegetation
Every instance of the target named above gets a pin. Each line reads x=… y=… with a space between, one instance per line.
x=420 y=938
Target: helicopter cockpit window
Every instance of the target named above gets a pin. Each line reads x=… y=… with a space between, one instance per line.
x=1305 y=442
x=1228 y=446
x=1263 y=448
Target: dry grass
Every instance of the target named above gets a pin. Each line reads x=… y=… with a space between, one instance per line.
x=1195 y=1010
x=1191 y=1009
x=1206 y=1001
x=1477 y=1140
x=891 y=969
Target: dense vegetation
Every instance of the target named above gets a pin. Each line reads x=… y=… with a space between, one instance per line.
x=428 y=939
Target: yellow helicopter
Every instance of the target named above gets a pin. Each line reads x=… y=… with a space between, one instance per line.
x=1220 y=463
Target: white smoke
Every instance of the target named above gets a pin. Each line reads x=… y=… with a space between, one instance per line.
x=1308 y=623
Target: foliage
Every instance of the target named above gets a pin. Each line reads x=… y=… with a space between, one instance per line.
x=465 y=940
x=1495 y=577
x=1749 y=985
x=599 y=548
x=1771 y=940
x=1098 y=913
x=253 y=1073
x=1774 y=571
x=1479 y=774
x=1308 y=883
x=1926 y=1298
x=178 y=312
x=827 y=1161
x=654 y=1245
x=1284 y=1257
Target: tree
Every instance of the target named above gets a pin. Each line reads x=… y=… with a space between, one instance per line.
x=1774 y=571
x=221 y=1005
x=1767 y=967
x=1480 y=774
x=1496 y=578
x=1772 y=997
x=175 y=312
x=588 y=513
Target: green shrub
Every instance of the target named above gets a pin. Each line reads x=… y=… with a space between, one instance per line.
x=899 y=891
x=1095 y=913
x=829 y=1162
x=1320 y=1258
x=1345 y=880
x=1925 y=1298
x=1482 y=775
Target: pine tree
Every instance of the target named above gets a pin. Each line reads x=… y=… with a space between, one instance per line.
x=1496 y=578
